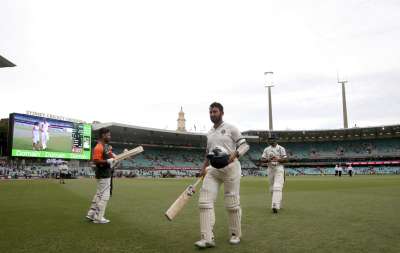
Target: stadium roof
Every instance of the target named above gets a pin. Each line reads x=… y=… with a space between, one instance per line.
x=135 y=135
x=5 y=63
x=389 y=131
x=131 y=135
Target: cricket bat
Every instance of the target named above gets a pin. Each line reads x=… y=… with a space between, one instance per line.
x=128 y=154
x=182 y=200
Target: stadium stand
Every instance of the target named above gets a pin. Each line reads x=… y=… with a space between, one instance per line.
x=337 y=149
x=373 y=150
x=315 y=156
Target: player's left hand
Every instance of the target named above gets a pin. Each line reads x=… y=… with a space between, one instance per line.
x=275 y=159
x=111 y=162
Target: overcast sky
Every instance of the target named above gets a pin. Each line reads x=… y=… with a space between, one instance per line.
x=138 y=62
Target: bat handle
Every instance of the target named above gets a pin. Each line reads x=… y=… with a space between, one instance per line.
x=197 y=182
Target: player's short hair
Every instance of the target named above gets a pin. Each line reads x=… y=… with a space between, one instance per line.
x=272 y=136
x=103 y=131
x=217 y=105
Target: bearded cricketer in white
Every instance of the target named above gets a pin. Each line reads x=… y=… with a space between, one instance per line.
x=225 y=145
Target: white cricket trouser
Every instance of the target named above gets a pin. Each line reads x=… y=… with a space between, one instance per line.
x=35 y=138
x=230 y=176
x=100 y=199
x=276 y=178
x=45 y=139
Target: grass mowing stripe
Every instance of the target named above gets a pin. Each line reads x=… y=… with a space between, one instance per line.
x=321 y=214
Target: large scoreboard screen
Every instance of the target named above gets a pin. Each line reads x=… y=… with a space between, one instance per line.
x=33 y=136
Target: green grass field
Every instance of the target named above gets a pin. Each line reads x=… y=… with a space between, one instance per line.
x=321 y=214
x=58 y=142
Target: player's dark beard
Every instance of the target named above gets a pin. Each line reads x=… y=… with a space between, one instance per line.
x=216 y=119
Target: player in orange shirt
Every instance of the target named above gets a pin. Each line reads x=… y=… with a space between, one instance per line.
x=103 y=158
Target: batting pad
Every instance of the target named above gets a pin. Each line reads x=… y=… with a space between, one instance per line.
x=232 y=201
x=235 y=218
x=276 y=198
x=207 y=221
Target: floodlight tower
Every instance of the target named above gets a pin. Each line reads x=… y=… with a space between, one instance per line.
x=269 y=84
x=5 y=63
x=343 y=83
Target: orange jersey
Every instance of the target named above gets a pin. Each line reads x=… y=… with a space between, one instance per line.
x=102 y=152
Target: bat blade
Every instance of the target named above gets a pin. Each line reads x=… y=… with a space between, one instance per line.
x=128 y=154
x=181 y=201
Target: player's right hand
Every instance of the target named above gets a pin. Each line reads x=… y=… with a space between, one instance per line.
x=203 y=172
x=264 y=160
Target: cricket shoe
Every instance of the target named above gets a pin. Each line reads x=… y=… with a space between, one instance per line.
x=234 y=240
x=101 y=221
x=202 y=244
x=90 y=217
x=275 y=208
